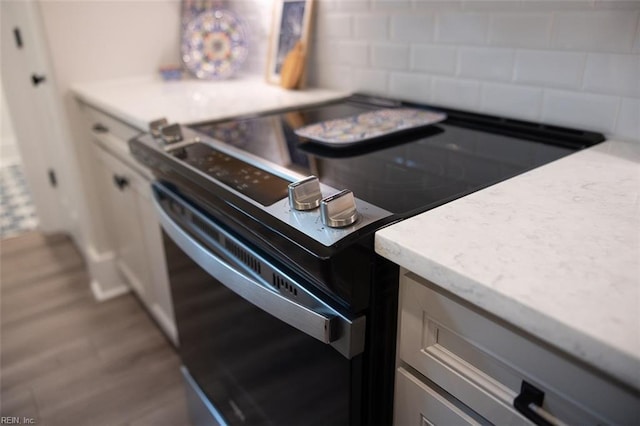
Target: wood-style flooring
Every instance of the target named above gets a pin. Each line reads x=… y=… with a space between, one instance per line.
x=66 y=359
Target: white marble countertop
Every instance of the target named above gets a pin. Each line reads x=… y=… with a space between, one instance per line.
x=139 y=100
x=555 y=251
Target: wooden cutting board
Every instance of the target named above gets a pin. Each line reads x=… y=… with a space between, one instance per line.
x=293 y=67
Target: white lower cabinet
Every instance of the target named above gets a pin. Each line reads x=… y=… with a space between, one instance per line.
x=120 y=200
x=459 y=365
x=419 y=404
x=126 y=198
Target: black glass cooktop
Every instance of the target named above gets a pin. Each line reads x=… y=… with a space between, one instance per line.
x=401 y=174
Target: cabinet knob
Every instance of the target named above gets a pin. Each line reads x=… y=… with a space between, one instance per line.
x=120 y=182
x=100 y=128
x=339 y=210
x=305 y=194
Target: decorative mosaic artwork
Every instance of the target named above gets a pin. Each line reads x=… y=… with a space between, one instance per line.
x=17 y=214
x=214 y=45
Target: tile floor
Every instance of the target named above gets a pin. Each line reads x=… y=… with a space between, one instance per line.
x=17 y=213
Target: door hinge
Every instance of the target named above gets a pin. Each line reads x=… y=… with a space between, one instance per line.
x=37 y=79
x=18 y=37
x=53 y=180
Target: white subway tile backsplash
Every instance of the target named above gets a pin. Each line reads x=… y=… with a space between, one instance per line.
x=437 y=59
x=333 y=26
x=411 y=87
x=486 y=63
x=455 y=93
x=520 y=29
x=412 y=28
x=352 y=53
x=438 y=5
x=370 y=81
x=322 y=51
x=581 y=110
x=462 y=27
x=616 y=4
x=332 y=76
x=602 y=30
x=628 y=125
x=372 y=27
x=324 y=6
x=353 y=5
x=390 y=56
x=555 y=5
x=511 y=101
x=390 y=5
x=613 y=74
x=549 y=68
x=573 y=62
x=502 y=5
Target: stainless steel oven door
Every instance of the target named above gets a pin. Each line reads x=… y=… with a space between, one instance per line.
x=258 y=346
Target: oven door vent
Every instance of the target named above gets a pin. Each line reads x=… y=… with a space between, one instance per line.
x=202 y=226
x=283 y=284
x=243 y=256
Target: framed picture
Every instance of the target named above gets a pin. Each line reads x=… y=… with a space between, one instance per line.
x=291 y=23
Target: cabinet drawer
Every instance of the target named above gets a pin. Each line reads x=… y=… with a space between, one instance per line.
x=102 y=122
x=422 y=405
x=483 y=362
x=112 y=135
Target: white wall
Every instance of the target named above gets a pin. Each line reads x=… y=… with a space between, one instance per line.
x=573 y=63
x=8 y=143
x=96 y=40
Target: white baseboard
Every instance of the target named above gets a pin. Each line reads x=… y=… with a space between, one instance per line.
x=106 y=282
x=102 y=295
x=166 y=323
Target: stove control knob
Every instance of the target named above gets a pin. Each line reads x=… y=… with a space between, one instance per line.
x=339 y=210
x=156 y=125
x=305 y=194
x=171 y=133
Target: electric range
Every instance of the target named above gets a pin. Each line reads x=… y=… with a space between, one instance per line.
x=285 y=313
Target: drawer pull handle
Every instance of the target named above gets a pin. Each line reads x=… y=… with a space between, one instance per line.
x=99 y=128
x=529 y=404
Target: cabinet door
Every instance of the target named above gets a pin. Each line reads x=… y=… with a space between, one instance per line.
x=418 y=404
x=131 y=220
x=120 y=203
x=161 y=303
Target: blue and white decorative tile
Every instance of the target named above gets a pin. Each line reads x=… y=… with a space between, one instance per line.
x=17 y=213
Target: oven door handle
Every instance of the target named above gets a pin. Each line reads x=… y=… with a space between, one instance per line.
x=346 y=336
